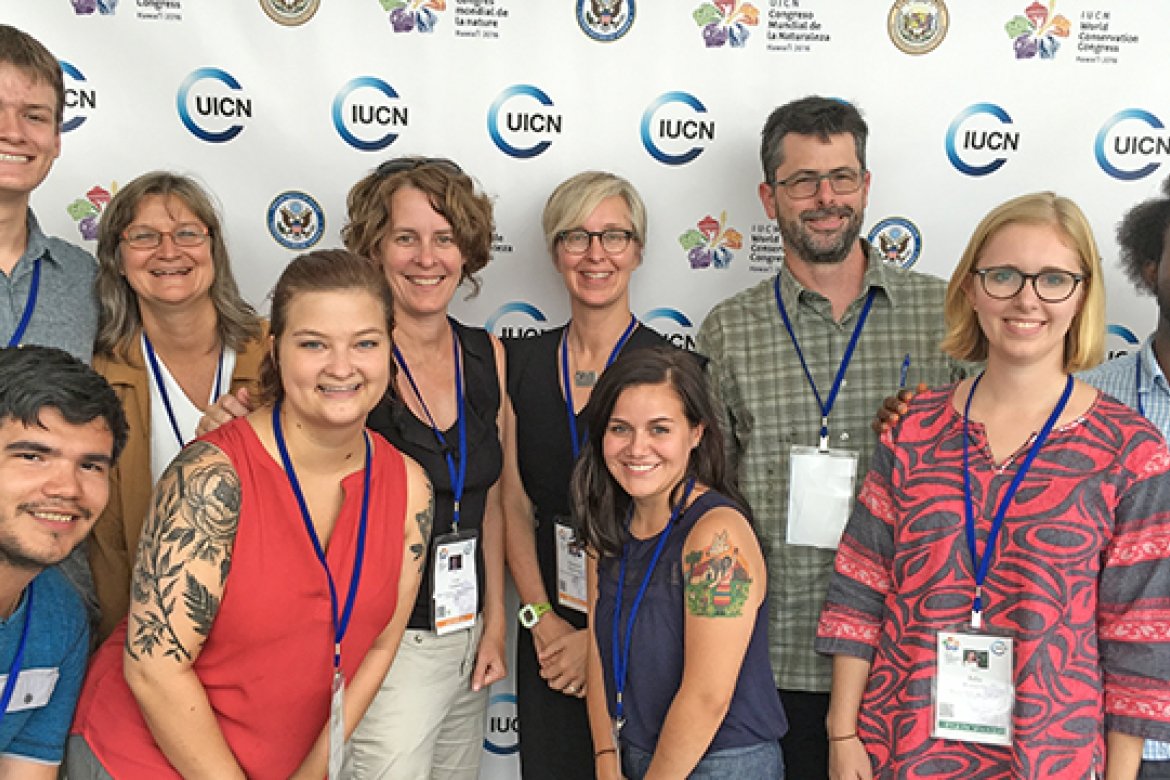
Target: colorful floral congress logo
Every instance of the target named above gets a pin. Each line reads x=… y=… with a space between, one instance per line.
x=87 y=211
x=710 y=242
x=408 y=15
x=726 y=21
x=87 y=7
x=1036 y=33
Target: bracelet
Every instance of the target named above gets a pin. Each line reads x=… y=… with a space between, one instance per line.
x=603 y=751
x=844 y=737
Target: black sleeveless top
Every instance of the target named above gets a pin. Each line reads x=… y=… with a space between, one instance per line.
x=543 y=443
x=485 y=458
x=658 y=639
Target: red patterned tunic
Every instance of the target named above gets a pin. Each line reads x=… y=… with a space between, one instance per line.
x=1081 y=577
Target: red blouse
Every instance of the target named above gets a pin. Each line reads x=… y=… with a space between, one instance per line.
x=267 y=662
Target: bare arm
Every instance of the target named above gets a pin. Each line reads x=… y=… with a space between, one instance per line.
x=489 y=662
x=519 y=521
x=607 y=762
x=17 y=768
x=360 y=691
x=1123 y=756
x=560 y=647
x=847 y=757
x=720 y=550
x=183 y=561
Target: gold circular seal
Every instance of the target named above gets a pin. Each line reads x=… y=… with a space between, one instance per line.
x=290 y=13
x=918 y=26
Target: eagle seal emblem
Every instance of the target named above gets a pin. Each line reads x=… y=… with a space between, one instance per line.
x=605 y=20
x=898 y=240
x=295 y=220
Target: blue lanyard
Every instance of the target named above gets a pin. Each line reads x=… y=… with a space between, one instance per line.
x=162 y=386
x=30 y=304
x=458 y=476
x=574 y=439
x=18 y=661
x=621 y=649
x=826 y=407
x=340 y=625
x=983 y=564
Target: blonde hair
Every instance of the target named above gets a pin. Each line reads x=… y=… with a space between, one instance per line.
x=1085 y=341
x=575 y=198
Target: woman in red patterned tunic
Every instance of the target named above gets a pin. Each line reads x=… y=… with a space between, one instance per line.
x=1021 y=514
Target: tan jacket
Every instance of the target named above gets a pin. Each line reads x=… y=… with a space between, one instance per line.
x=114 y=541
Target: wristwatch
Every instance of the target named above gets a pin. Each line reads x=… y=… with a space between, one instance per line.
x=530 y=614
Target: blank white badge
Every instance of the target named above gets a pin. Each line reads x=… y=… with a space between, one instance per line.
x=820 y=495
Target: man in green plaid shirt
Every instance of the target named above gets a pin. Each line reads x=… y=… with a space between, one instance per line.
x=801 y=362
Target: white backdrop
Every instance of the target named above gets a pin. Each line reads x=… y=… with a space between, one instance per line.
x=1017 y=96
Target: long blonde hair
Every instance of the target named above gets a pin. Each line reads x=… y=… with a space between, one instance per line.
x=1084 y=345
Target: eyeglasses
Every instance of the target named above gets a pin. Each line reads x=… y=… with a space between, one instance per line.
x=1051 y=286
x=844 y=181
x=149 y=238
x=577 y=241
x=401 y=164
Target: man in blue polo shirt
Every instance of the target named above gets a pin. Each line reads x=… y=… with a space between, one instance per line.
x=1139 y=378
x=61 y=427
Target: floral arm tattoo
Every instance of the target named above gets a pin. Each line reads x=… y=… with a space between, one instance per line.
x=184 y=555
x=425 y=520
x=717 y=579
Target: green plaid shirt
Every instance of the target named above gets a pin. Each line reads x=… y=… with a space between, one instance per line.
x=770 y=407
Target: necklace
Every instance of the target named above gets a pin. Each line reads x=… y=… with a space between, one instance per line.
x=584 y=378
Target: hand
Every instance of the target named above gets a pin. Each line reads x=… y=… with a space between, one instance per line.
x=225 y=409
x=893 y=407
x=848 y=760
x=489 y=659
x=564 y=657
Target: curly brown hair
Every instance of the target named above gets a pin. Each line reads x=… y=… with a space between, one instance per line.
x=451 y=192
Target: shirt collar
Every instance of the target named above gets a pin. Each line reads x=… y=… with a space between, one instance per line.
x=1152 y=375
x=38 y=243
x=878 y=275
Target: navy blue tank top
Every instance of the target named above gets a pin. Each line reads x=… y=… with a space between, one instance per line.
x=656 y=648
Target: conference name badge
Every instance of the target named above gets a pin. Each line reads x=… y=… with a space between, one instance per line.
x=455 y=584
x=570 y=569
x=974 y=691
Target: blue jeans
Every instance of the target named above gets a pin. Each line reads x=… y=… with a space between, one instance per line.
x=754 y=762
x=1153 y=770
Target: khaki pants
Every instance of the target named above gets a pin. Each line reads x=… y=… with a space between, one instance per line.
x=425 y=721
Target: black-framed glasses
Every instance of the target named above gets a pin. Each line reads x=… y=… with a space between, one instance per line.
x=577 y=240
x=189 y=235
x=805 y=184
x=1052 y=285
x=400 y=164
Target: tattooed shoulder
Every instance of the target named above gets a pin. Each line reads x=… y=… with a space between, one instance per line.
x=425 y=520
x=717 y=578
x=184 y=555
